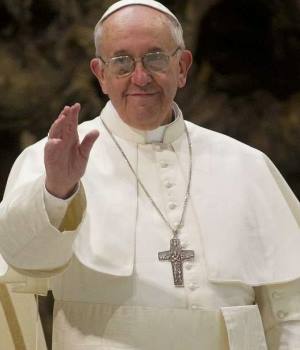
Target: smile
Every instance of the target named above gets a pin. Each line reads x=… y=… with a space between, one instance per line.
x=141 y=94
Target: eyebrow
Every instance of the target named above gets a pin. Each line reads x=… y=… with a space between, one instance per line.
x=120 y=53
x=126 y=53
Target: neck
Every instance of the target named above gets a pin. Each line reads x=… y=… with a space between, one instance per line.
x=121 y=129
x=157 y=134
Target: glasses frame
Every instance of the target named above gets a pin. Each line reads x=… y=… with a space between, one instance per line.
x=139 y=59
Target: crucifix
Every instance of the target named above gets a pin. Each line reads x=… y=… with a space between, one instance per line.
x=176 y=256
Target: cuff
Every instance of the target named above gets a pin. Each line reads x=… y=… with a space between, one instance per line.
x=56 y=208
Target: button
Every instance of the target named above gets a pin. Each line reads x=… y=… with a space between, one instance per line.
x=195 y=307
x=158 y=147
x=193 y=286
x=282 y=314
x=168 y=184
x=276 y=295
x=164 y=164
x=184 y=244
x=172 y=206
x=177 y=225
x=188 y=265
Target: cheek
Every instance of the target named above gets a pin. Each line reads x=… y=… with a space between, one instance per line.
x=115 y=89
x=173 y=81
x=170 y=87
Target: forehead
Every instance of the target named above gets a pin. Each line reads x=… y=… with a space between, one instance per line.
x=135 y=27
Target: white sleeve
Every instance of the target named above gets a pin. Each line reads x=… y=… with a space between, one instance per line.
x=280 y=309
x=29 y=242
x=56 y=208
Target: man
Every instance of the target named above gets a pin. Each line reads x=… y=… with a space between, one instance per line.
x=156 y=234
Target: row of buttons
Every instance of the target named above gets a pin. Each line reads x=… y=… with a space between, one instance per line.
x=192 y=286
x=172 y=205
x=168 y=184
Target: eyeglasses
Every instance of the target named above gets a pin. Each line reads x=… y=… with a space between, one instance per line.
x=122 y=66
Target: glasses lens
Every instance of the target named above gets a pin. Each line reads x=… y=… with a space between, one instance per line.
x=121 y=65
x=156 y=61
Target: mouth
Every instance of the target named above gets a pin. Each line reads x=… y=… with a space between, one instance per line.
x=141 y=94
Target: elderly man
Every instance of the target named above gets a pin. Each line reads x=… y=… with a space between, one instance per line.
x=155 y=234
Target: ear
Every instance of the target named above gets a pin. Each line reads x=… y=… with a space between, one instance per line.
x=185 y=63
x=97 y=69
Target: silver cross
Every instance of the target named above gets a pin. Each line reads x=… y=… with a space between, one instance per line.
x=176 y=256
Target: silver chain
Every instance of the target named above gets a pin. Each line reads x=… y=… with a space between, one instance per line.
x=187 y=193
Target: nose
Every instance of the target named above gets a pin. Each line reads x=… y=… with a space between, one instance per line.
x=140 y=76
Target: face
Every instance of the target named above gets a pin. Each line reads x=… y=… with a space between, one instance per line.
x=142 y=99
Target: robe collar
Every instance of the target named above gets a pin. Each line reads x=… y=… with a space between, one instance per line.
x=163 y=134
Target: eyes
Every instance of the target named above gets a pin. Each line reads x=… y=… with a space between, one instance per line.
x=153 y=62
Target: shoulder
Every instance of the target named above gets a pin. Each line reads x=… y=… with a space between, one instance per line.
x=220 y=145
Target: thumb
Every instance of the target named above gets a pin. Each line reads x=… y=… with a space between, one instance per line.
x=88 y=142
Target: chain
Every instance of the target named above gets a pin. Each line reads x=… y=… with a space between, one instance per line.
x=187 y=193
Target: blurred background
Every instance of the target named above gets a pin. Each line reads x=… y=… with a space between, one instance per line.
x=245 y=81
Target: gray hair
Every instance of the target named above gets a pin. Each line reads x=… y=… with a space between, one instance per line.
x=175 y=27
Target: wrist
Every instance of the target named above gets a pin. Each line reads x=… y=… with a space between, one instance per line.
x=62 y=192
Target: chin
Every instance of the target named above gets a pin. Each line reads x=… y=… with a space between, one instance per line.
x=144 y=126
x=143 y=121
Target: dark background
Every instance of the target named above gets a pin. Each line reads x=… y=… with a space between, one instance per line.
x=245 y=80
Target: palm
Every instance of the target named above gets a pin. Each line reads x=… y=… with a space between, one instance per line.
x=65 y=157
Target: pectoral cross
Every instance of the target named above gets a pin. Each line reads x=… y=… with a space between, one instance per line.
x=176 y=256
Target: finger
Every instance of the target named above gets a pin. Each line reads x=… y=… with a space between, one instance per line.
x=65 y=126
x=65 y=111
x=87 y=143
x=56 y=128
x=74 y=112
x=77 y=107
x=53 y=151
x=70 y=124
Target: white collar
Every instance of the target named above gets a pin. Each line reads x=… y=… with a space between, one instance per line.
x=163 y=134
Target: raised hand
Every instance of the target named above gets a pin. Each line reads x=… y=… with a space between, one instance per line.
x=65 y=157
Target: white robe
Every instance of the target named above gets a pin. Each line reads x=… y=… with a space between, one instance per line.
x=242 y=221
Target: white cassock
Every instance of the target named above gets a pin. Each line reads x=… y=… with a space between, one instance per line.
x=242 y=289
